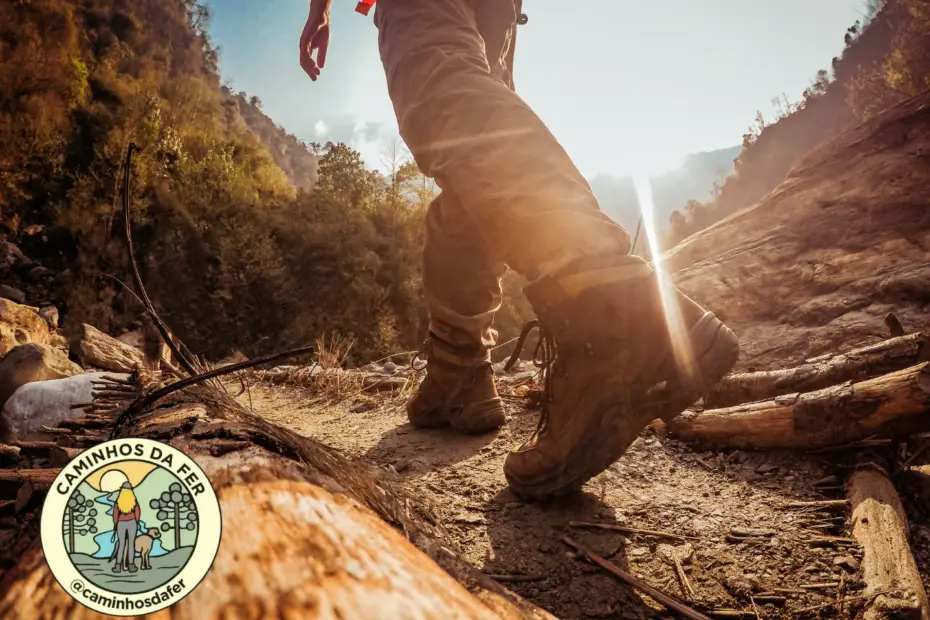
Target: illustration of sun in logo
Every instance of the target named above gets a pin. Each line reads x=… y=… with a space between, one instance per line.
x=130 y=526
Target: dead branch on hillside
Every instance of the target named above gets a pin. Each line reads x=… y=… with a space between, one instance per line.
x=166 y=334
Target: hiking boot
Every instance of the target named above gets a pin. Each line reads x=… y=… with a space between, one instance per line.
x=612 y=363
x=458 y=390
x=117 y=568
x=132 y=568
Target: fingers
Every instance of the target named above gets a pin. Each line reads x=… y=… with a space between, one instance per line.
x=321 y=55
x=311 y=68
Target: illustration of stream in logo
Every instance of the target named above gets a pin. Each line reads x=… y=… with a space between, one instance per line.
x=130 y=526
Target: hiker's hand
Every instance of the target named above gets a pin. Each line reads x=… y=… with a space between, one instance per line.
x=315 y=38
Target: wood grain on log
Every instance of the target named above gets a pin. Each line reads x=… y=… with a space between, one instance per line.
x=880 y=526
x=307 y=533
x=857 y=365
x=894 y=404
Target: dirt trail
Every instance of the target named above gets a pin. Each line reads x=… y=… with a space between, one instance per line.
x=658 y=485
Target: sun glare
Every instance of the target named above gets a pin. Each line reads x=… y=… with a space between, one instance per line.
x=678 y=334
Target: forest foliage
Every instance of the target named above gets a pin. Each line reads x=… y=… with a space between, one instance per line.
x=247 y=238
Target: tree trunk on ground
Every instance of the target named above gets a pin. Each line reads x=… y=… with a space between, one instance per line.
x=888 y=567
x=886 y=406
x=857 y=365
x=344 y=558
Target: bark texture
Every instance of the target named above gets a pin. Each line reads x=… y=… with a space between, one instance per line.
x=888 y=567
x=818 y=373
x=890 y=405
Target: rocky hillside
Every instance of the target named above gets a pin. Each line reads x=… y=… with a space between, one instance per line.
x=818 y=262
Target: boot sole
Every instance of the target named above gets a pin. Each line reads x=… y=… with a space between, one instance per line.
x=716 y=350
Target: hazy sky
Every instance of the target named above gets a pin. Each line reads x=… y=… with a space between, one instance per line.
x=627 y=87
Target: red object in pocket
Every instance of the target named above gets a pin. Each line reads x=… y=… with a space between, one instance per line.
x=364 y=6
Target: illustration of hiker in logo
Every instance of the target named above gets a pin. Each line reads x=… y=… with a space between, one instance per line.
x=122 y=488
x=138 y=526
x=126 y=515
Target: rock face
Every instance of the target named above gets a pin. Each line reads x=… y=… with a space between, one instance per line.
x=45 y=403
x=98 y=350
x=817 y=264
x=20 y=324
x=33 y=362
x=13 y=294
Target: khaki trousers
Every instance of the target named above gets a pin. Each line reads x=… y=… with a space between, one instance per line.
x=511 y=196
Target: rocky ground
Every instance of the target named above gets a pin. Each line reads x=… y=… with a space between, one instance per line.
x=724 y=516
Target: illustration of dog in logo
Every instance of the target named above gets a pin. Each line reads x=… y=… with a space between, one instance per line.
x=136 y=526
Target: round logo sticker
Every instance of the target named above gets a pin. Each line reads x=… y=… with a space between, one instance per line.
x=130 y=527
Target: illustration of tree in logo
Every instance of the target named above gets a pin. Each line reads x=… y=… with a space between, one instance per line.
x=79 y=518
x=176 y=508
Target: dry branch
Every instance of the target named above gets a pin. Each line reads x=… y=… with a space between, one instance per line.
x=159 y=324
x=888 y=566
x=891 y=405
x=630 y=580
x=857 y=365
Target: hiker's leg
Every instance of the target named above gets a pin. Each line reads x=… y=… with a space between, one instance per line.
x=460 y=281
x=602 y=311
x=476 y=137
x=462 y=289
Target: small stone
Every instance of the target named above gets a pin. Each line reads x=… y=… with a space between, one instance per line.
x=545 y=547
x=50 y=314
x=38 y=272
x=13 y=294
x=363 y=407
x=846 y=562
x=389 y=367
x=766 y=468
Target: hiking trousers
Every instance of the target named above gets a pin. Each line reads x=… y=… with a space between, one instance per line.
x=510 y=195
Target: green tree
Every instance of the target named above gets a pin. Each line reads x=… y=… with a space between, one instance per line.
x=177 y=510
x=79 y=519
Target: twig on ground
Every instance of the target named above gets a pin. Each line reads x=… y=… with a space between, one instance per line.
x=516 y=578
x=683 y=579
x=631 y=530
x=630 y=580
x=827 y=504
x=864 y=443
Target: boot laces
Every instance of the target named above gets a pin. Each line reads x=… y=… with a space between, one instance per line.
x=543 y=357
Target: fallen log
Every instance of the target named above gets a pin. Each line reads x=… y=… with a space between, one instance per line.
x=892 y=580
x=336 y=556
x=818 y=373
x=896 y=404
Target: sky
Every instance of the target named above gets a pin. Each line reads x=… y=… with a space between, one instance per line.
x=626 y=87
